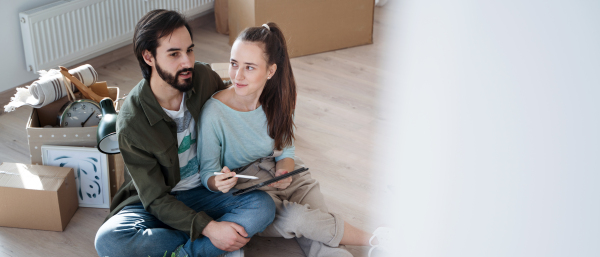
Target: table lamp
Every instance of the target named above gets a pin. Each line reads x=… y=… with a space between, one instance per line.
x=107 y=132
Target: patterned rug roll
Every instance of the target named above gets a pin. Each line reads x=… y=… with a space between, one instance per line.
x=50 y=87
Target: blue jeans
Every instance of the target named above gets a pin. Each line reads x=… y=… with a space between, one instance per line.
x=135 y=232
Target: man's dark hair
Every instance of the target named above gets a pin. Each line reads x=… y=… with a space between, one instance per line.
x=154 y=25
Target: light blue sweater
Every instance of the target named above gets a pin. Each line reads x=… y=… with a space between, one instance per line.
x=232 y=138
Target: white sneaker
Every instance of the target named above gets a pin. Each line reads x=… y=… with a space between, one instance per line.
x=386 y=238
x=238 y=253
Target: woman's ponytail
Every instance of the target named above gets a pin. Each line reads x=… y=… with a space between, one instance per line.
x=278 y=98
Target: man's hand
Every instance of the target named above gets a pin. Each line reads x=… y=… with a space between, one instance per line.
x=225 y=235
x=284 y=183
x=226 y=181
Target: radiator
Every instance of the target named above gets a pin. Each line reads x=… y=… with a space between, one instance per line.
x=69 y=32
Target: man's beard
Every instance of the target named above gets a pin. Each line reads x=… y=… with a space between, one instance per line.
x=173 y=79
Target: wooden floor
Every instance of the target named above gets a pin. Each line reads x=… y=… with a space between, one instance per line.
x=335 y=117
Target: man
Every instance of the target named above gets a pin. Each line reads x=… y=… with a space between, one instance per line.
x=162 y=205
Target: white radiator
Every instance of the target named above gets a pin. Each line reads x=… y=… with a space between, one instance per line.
x=69 y=32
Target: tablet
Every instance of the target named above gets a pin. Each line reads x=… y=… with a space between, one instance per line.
x=273 y=180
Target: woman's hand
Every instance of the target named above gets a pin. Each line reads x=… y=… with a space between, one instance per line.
x=226 y=181
x=284 y=183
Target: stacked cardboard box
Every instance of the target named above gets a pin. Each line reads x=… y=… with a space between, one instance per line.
x=36 y=196
x=309 y=26
x=38 y=134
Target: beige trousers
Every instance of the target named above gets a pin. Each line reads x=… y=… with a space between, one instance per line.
x=301 y=210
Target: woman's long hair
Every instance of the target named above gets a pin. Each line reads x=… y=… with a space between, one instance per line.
x=278 y=98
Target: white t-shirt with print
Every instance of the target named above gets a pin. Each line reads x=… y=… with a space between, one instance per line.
x=186 y=143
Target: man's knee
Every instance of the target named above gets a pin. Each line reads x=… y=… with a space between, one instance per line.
x=265 y=212
x=269 y=206
x=111 y=241
x=103 y=242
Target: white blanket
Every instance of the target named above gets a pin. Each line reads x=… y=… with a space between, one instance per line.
x=50 y=87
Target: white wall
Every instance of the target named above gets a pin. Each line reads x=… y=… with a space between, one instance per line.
x=491 y=128
x=12 y=63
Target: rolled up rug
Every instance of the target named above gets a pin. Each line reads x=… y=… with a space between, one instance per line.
x=50 y=87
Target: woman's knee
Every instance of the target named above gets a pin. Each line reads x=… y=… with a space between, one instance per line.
x=293 y=215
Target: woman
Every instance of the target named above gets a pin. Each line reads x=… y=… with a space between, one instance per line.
x=249 y=128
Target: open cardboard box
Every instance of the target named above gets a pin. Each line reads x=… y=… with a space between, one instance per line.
x=38 y=135
x=37 y=196
x=309 y=26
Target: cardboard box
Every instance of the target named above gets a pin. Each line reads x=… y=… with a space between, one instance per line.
x=116 y=171
x=36 y=196
x=221 y=16
x=222 y=69
x=309 y=26
x=38 y=135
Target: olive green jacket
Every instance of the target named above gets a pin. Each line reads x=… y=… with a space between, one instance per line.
x=148 y=142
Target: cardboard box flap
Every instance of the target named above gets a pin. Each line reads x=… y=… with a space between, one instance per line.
x=34 y=177
x=38 y=134
x=48 y=115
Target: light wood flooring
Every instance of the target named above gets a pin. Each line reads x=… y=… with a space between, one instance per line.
x=335 y=118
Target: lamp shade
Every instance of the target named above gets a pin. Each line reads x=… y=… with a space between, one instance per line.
x=107 y=132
